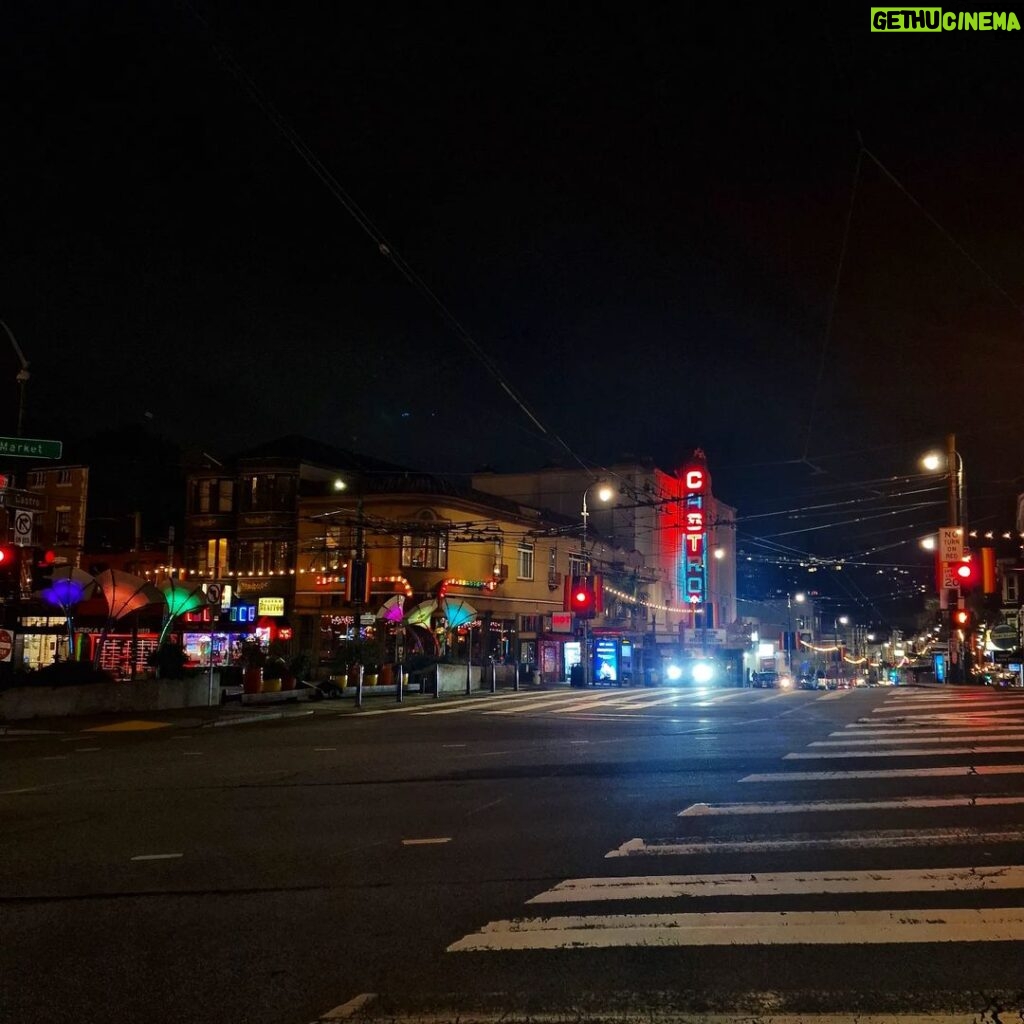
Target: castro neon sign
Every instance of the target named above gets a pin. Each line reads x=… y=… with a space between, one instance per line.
x=695 y=485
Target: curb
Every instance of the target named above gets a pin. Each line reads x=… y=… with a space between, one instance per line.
x=265 y=716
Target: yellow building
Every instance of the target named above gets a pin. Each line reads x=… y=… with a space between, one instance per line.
x=427 y=540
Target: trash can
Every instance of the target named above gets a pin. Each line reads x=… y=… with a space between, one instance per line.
x=576 y=676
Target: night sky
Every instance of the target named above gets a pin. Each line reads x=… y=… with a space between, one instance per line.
x=636 y=211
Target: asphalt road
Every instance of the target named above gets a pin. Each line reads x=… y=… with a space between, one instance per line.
x=725 y=850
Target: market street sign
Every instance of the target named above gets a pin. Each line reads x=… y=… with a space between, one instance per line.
x=30 y=448
x=29 y=500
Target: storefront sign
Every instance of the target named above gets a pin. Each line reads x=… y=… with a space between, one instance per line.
x=270 y=606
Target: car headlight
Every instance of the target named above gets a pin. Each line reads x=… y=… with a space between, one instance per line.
x=785 y=682
x=702 y=672
x=674 y=673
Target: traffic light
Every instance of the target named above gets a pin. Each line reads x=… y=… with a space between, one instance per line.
x=42 y=569
x=961 y=618
x=584 y=596
x=8 y=558
x=583 y=599
x=967 y=574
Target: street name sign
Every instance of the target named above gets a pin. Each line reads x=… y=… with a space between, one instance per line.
x=14 y=498
x=31 y=448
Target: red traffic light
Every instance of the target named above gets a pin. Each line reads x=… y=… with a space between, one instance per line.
x=967 y=574
x=6 y=556
x=46 y=558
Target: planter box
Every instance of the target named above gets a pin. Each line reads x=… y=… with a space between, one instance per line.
x=99 y=698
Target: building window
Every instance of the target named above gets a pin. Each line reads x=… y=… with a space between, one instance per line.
x=425 y=550
x=426 y=547
x=225 y=495
x=529 y=623
x=63 y=477
x=62 y=525
x=577 y=565
x=36 y=479
x=1011 y=592
x=524 y=562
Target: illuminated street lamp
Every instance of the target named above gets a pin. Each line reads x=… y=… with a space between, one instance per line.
x=605 y=492
x=837 y=622
x=929 y=543
x=952 y=463
x=790 y=598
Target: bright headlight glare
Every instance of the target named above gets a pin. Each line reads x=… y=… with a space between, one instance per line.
x=702 y=672
x=674 y=673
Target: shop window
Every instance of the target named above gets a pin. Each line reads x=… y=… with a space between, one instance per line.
x=1011 y=589
x=529 y=623
x=524 y=562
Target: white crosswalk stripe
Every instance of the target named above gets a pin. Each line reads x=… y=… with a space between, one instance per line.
x=970 y=728
x=629 y=702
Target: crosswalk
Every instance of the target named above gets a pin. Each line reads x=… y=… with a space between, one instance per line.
x=971 y=891
x=611 y=704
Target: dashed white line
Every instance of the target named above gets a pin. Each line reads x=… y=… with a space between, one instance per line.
x=158 y=856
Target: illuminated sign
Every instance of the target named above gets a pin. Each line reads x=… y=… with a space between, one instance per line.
x=694 y=480
x=693 y=571
x=606 y=661
x=243 y=613
x=270 y=606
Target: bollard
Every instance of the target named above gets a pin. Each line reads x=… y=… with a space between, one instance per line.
x=494 y=677
x=437 y=682
x=399 y=682
x=359 y=688
x=517 y=678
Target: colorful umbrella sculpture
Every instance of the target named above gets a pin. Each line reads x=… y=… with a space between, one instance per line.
x=457 y=611
x=392 y=609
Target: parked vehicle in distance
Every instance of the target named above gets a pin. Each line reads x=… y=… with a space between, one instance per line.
x=764 y=679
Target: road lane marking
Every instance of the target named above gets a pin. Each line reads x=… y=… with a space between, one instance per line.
x=814 y=927
x=900 y=803
x=976 y=711
x=867 y=840
x=435 y=841
x=192 y=753
x=521 y=700
x=887 y=773
x=784 y=883
x=86 y=750
x=323 y=750
x=449 y=746
x=808 y=755
x=577 y=743
x=904 y=739
x=158 y=856
x=911 y=731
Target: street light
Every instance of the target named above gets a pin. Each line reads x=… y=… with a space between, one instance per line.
x=839 y=620
x=952 y=463
x=790 y=598
x=604 y=494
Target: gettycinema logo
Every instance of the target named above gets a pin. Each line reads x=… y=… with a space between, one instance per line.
x=935 y=19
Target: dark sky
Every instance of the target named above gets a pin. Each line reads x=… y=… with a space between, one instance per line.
x=636 y=210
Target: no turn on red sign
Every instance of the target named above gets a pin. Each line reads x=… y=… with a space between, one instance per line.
x=6 y=645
